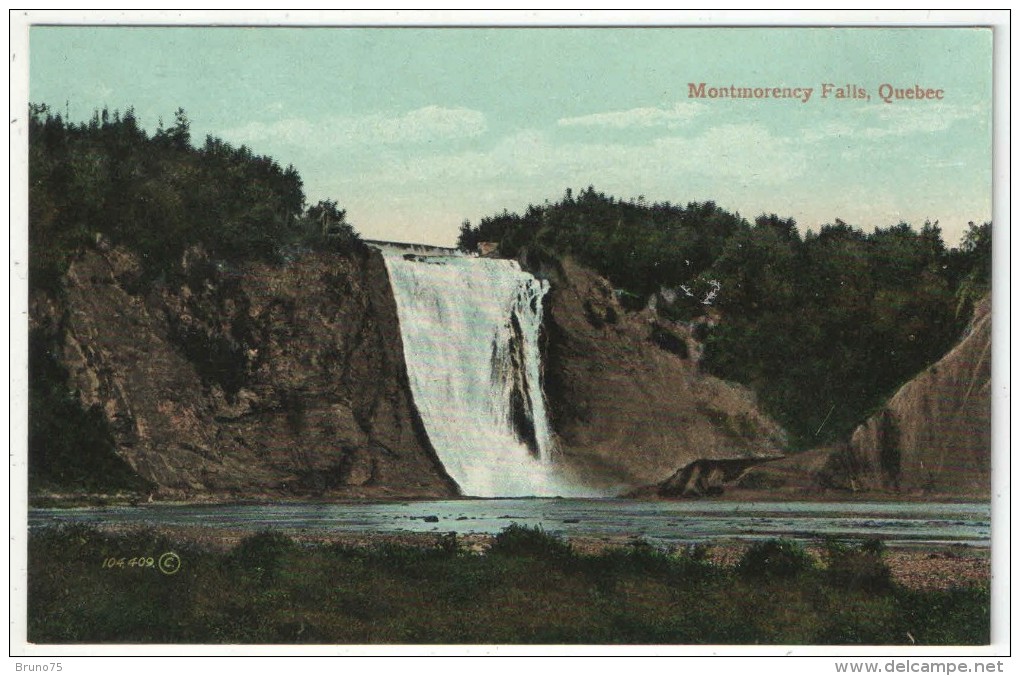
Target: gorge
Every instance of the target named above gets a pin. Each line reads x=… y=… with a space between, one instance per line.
x=376 y=375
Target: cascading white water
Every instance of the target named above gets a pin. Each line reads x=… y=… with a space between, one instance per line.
x=470 y=331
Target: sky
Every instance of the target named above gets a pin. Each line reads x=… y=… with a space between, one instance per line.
x=414 y=130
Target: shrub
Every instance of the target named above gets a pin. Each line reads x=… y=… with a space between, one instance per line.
x=693 y=562
x=775 y=559
x=532 y=542
x=448 y=544
x=857 y=565
x=642 y=558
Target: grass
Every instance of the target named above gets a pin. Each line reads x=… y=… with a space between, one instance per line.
x=529 y=588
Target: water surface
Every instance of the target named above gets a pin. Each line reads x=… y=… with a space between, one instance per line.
x=681 y=522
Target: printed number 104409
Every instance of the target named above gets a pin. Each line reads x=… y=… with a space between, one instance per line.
x=133 y=562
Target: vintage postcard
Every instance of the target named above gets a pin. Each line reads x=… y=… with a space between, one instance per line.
x=568 y=334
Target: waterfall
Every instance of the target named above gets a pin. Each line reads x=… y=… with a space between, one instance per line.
x=470 y=330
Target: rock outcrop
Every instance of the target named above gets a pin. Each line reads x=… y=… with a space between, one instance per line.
x=266 y=380
x=934 y=434
x=701 y=479
x=628 y=401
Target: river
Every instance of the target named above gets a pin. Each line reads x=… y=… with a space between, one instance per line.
x=897 y=523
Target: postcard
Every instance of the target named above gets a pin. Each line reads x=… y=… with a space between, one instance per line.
x=540 y=336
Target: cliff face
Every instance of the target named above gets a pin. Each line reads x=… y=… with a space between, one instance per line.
x=627 y=400
x=275 y=381
x=269 y=380
x=934 y=435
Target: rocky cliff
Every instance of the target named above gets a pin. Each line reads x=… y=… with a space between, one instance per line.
x=629 y=404
x=289 y=380
x=266 y=380
x=934 y=434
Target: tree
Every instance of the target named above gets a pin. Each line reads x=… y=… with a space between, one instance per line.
x=329 y=216
x=177 y=136
x=973 y=260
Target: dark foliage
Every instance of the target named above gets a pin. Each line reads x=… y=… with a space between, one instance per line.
x=826 y=328
x=159 y=195
x=775 y=559
x=518 y=540
x=642 y=558
x=857 y=565
x=639 y=246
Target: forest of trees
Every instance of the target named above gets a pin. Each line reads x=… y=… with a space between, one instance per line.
x=823 y=326
x=159 y=195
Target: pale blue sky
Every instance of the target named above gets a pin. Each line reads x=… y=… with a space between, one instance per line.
x=415 y=130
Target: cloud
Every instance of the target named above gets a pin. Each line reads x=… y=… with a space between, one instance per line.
x=423 y=125
x=746 y=152
x=746 y=167
x=424 y=197
x=829 y=130
x=674 y=117
x=741 y=153
x=883 y=121
x=427 y=124
x=903 y=119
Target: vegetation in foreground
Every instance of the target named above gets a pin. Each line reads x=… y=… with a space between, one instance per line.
x=528 y=588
